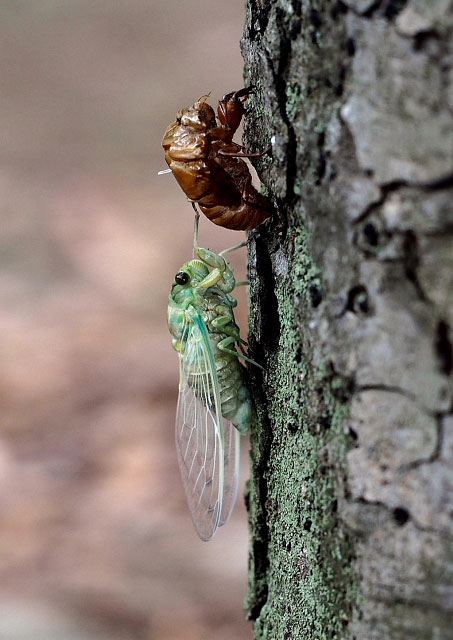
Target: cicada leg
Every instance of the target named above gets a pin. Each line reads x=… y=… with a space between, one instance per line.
x=224 y=345
x=242 y=154
x=243 y=93
x=221 y=271
x=231 y=109
x=223 y=323
x=236 y=246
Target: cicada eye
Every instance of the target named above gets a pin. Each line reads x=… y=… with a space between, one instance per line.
x=182 y=277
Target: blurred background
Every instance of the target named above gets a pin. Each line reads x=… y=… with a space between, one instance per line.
x=95 y=538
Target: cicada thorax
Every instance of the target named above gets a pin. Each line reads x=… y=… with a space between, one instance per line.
x=220 y=184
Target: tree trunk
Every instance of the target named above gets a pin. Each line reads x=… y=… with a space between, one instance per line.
x=351 y=495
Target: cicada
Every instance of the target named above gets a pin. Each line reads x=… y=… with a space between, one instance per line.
x=214 y=405
x=207 y=163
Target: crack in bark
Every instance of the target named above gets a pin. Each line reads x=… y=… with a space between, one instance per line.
x=441 y=533
x=435 y=455
x=387 y=189
x=280 y=85
x=259 y=554
x=410 y=252
x=344 y=387
x=411 y=261
x=388 y=9
x=410 y=257
x=270 y=329
x=399 y=600
x=444 y=348
x=394 y=513
x=261 y=17
x=376 y=386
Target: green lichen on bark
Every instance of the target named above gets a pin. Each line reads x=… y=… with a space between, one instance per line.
x=305 y=587
x=301 y=571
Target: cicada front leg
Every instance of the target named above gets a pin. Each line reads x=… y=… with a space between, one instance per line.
x=231 y=109
x=221 y=271
x=242 y=154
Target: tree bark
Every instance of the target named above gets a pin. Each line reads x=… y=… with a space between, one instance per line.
x=351 y=494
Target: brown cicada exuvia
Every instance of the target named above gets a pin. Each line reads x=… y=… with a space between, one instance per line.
x=207 y=163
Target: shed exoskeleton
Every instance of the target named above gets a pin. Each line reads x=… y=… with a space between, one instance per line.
x=207 y=163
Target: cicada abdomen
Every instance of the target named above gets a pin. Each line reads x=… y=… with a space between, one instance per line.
x=207 y=163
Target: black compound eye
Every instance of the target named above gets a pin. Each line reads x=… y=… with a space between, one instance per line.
x=182 y=277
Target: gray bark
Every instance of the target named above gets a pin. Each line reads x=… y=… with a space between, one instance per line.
x=351 y=495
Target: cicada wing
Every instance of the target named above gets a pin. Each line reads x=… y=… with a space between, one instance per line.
x=200 y=432
x=231 y=461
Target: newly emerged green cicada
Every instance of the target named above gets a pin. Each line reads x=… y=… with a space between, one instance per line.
x=214 y=404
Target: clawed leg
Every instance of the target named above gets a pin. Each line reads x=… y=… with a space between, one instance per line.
x=233 y=337
x=254 y=233
x=241 y=154
x=224 y=344
x=236 y=246
x=244 y=93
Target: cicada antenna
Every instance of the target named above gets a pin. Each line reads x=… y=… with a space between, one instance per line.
x=205 y=96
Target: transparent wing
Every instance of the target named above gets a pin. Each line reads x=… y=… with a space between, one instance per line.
x=207 y=444
x=231 y=461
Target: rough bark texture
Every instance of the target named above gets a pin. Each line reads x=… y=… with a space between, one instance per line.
x=351 y=496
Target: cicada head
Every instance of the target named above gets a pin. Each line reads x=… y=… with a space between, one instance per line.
x=200 y=116
x=197 y=271
x=187 y=279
